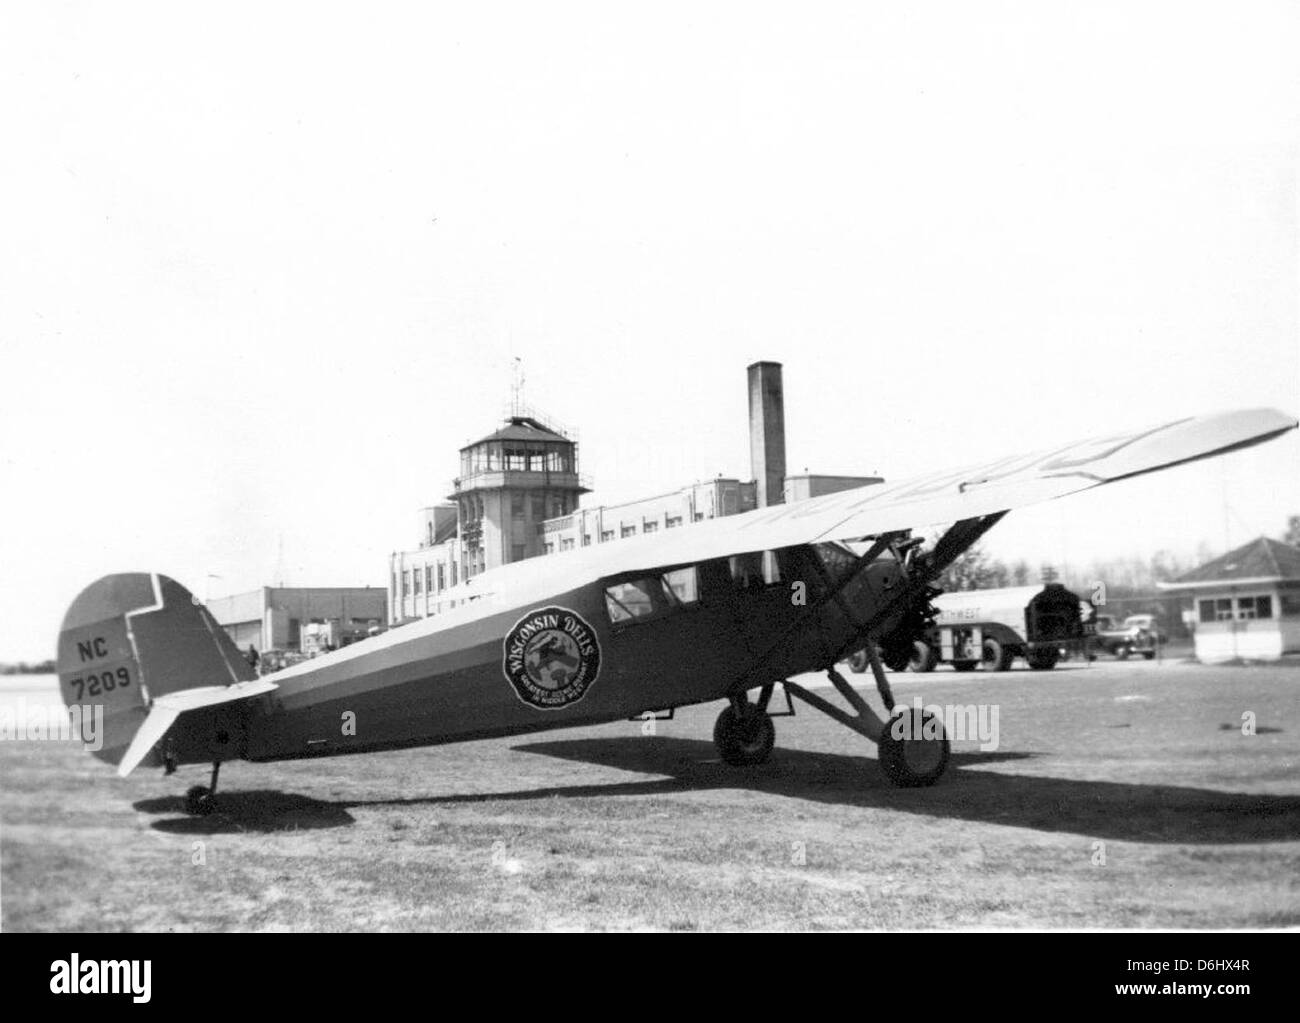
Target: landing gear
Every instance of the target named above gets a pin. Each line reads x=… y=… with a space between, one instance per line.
x=913 y=749
x=202 y=800
x=744 y=734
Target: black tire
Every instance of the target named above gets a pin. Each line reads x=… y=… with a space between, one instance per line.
x=1044 y=658
x=745 y=740
x=923 y=657
x=858 y=662
x=1122 y=652
x=995 y=657
x=1150 y=655
x=964 y=665
x=913 y=761
x=199 y=802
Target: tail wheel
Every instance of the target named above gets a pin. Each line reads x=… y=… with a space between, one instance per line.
x=923 y=657
x=996 y=658
x=199 y=801
x=913 y=749
x=1044 y=658
x=746 y=738
x=858 y=662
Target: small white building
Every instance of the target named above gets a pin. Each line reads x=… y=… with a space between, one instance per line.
x=1246 y=604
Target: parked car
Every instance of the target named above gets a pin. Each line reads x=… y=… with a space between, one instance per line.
x=1137 y=634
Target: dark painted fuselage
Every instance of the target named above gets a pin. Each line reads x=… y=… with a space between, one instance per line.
x=449 y=684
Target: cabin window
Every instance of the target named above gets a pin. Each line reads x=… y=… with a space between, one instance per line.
x=653 y=595
x=631 y=600
x=683 y=585
x=755 y=570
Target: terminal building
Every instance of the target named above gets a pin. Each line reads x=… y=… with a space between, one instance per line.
x=518 y=492
x=283 y=618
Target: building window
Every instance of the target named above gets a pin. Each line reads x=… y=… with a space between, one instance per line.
x=517 y=552
x=406 y=584
x=566 y=544
x=1254 y=607
x=453 y=573
x=442 y=579
x=586 y=539
x=673 y=521
x=628 y=531
x=698 y=517
x=517 y=506
x=419 y=579
x=649 y=526
x=539 y=507
x=550 y=548
x=606 y=535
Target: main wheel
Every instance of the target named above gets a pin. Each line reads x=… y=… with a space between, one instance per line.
x=744 y=739
x=199 y=801
x=995 y=657
x=913 y=749
x=858 y=662
x=923 y=657
x=1044 y=658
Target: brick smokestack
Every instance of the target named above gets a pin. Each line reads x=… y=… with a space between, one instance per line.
x=767 y=431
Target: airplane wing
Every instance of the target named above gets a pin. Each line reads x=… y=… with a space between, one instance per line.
x=938 y=498
x=952 y=495
x=164 y=711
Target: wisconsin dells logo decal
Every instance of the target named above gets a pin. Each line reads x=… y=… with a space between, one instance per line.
x=551 y=657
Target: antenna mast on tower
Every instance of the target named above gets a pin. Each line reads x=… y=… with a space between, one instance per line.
x=517 y=387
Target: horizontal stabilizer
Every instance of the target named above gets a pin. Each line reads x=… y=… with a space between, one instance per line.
x=167 y=708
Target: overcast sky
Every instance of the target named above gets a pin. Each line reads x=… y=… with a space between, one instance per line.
x=263 y=269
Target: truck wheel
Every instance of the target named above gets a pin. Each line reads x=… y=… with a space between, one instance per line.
x=923 y=657
x=995 y=657
x=1044 y=658
x=1123 y=651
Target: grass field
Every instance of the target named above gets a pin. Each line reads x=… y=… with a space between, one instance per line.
x=1121 y=795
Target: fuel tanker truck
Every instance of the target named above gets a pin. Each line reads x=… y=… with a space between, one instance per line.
x=994 y=627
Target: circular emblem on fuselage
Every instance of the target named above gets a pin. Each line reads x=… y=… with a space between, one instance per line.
x=551 y=657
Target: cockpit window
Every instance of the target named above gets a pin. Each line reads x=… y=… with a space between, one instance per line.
x=838 y=559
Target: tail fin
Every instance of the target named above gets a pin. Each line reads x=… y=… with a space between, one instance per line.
x=129 y=643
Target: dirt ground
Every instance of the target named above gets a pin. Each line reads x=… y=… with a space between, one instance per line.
x=1119 y=795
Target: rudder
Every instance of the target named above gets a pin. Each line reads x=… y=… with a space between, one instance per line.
x=130 y=638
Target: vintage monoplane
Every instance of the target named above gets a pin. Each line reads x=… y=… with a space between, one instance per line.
x=719 y=609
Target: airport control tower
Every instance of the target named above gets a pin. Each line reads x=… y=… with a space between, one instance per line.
x=510 y=482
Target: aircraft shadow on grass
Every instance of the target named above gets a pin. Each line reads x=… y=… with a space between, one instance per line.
x=1117 y=811
x=263 y=810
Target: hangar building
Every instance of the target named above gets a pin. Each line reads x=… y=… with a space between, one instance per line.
x=275 y=617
